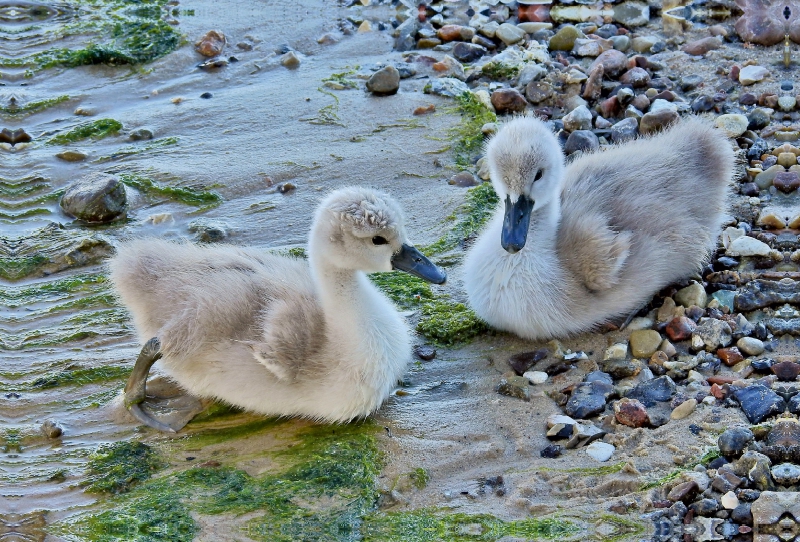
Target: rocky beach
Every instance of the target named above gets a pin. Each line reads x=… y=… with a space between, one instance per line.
x=227 y=122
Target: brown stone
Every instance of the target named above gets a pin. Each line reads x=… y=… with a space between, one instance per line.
x=452 y=32
x=787 y=181
x=636 y=77
x=768 y=99
x=641 y=102
x=631 y=412
x=702 y=46
x=211 y=44
x=538 y=91
x=655 y=122
x=425 y=109
x=734 y=74
x=680 y=328
x=684 y=492
x=525 y=360
x=594 y=85
x=508 y=100
x=730 y=356
x=665 y=95
x=609 y=107
x=722 y=379
x=786 y=370
x=717 y=391
x=614 y=62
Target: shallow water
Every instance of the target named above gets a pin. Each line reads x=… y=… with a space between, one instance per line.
x=67 y=346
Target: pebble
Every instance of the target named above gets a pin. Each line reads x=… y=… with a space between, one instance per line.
x=732 y=124
x=654 y=391
x=581 y=140
x=594 y=85
x=759 y=402
x=684 y=492
x=631 y=412
x=579 y=118
x=538 y=91
x=659 y=104
x=72 y=156
x=765 y=179
x=729 y=501
x=406 y=33
x=694 y=294
x=551 y=452
x=702 y=46
x=748 y=246
x=97 y=197
x=730 y=356
x=588 y=399
x=712 y=333
x=657 y=121
x=211 y=44
x=452 y=32
x=600 y=451
x=684 y=409
x=536 y=377
x=621 y=368
x=564 y=39
x=620 y=43
x=463 y=179
x=290 y=60
x=508 y=100
x=752 y=74
x=636 y=77
x=208 y=231
x=732 y=442
x=758 y=118
x=644 y=342
x=531 y=72
x=523 y=361
x=614 y=63
x=449 y=67
x=787 y=135
x=787 y=103
x=624 y=130
x=468 y=52
x=51 y=429
x=704 y=507
x=514 y=386
x=446 y=86
x=786 y=474
x=509 y=33
x=703 y=103
x=588 y=47
x=786 y=371
x=750 y=346
x=786 y=181
x=141 y=134
x=424 y=110
x=643 y=44
x=616 y=351
x=425 y=352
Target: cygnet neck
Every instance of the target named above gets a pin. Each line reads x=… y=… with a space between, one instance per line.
x=544 y=223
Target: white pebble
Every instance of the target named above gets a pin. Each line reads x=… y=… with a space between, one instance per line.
x=750 y=346
x=616 y=351
x=684 y=409
x=747 y=246
x=600 y=451
x=752 y=74
x=536 y=377
x=729 y=500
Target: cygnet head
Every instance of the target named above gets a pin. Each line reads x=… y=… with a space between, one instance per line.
x=362 y=229
x=526 y=165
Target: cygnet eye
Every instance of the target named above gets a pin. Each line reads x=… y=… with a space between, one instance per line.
x=378 y=240
x=538 y=175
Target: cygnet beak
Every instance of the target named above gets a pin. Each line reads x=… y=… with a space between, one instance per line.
x=411 y=260
x=516 y=222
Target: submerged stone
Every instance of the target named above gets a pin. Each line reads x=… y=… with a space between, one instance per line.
x=97 y=197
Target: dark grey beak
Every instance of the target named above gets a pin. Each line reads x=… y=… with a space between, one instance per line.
x=515 y=224
x=411 y=260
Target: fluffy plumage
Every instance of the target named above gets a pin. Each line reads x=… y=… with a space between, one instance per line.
x=271 y=334
x=607 y=231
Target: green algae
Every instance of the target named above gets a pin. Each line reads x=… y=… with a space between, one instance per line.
x=468 y=134
x=116 y=468
x=589 y=471
x=17 y=268
x=80 y=376
x=327 y=115
x=96 y=129
x=341 y=79
x=499 y=70
x=671 y=477
x=429 y=525
x=31 y=107
x=448 y=323
x=419 y=477
x=480 y=203
x=132 y=150
x=188 y=196
x=404 y=290
x=622 y=529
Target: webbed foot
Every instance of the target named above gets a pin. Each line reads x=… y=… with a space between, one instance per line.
x=135 y=389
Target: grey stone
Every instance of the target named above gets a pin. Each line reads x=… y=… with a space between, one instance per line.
x=714 y=333
x=732 y=442
x=509 y=33
x=759 y=402
x=581 y=140
x=406 y=34
x=384 y=81
x=446 y=86
x=468 y=52
x=97 y=197
x=624 y=130
x=694 y=294
x=654 y=122
x=564 y=39
x=579 y=118
x=750 y=346
x=786 y=474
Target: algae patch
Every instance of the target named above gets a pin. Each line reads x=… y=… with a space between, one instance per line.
x=115 y=468
x=468 y=134
x=448 y=323
x=404 y=290
x=479 y=205
x=432 y=526
x=188 y=196
x=97 y=129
